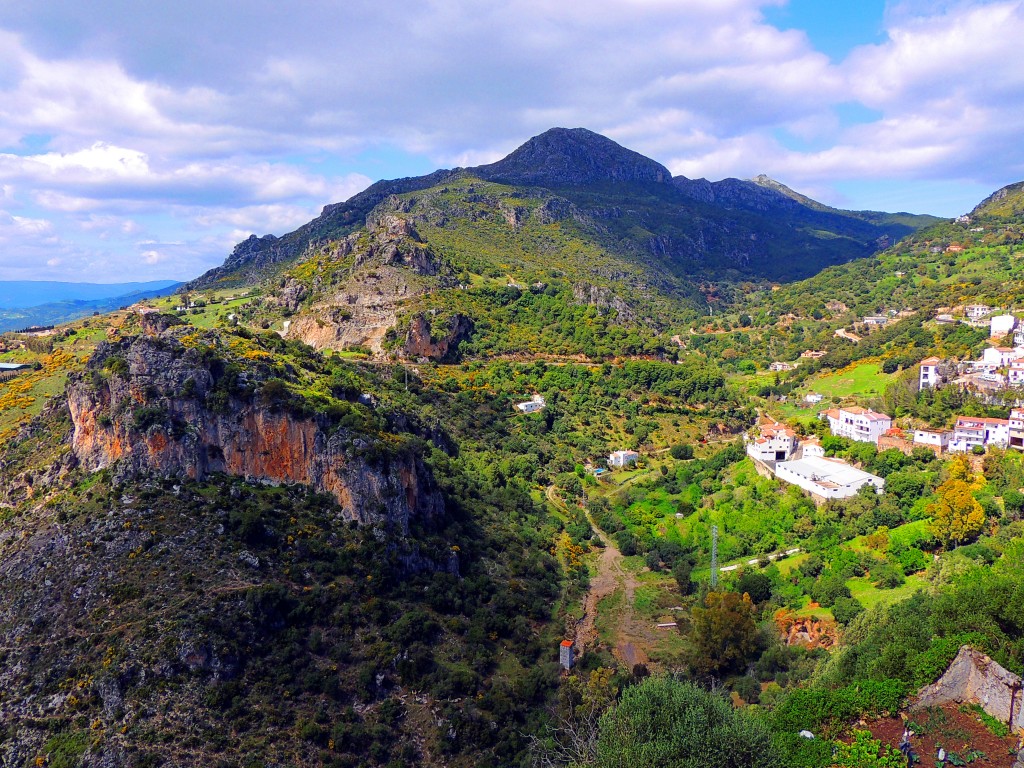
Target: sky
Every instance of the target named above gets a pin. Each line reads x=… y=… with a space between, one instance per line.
x=141 y=142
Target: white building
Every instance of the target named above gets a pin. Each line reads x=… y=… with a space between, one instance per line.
x=534 y=404
x=977 y=311
x=1017 y=429
x=997 y=357
x=622 y=458
x=933 y=438
x=1018 y=336
x=780 y=366
x=929 y=375
x=975 y=430
x=826 y=478
x=1000 y=325
x=1015 y=375
x=813 y=398
x=811 y=447
x=774 y=442
x=856 y=423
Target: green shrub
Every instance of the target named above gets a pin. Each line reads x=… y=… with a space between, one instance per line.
x=665 y=722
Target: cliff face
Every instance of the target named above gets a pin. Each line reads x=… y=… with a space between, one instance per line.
x=157 y=416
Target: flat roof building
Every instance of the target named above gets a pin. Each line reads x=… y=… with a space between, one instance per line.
x=826 y=478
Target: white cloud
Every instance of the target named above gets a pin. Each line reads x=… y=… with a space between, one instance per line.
x=105 y=124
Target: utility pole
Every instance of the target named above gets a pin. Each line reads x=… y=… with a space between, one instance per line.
x=714 y=556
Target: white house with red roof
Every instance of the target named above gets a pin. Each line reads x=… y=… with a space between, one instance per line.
x=857 y=423
x=936 y=439
x=1015 y=373
x=971 y=431
x=929 y=375
x=1017 y=428
x=997 y=357
x=774 y=442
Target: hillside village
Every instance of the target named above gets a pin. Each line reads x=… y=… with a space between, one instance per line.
x=996 y=377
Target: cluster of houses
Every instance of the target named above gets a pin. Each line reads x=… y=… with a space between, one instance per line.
x=997 y=369
x=777 y=450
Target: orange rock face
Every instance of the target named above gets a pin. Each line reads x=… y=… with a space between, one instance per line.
x=138 y=422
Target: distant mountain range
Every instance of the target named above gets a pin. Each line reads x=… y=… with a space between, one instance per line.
x=25 y=303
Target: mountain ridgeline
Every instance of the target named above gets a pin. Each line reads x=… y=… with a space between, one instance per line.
x=705 y=227
x=571 y=217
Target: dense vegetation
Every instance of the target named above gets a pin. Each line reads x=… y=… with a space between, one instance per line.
x=163 y=620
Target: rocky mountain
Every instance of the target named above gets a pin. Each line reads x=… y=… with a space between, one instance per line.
x=571 y=243
x=164 y=409
x=747 y=229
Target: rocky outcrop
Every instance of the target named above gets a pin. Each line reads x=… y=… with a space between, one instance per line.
x=974 y=677
x=291 y=294
x=420 y=340
x=604 y=299
x=164 y=409
x=360 y=303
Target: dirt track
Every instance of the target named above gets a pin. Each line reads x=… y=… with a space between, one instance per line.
x=631 y=637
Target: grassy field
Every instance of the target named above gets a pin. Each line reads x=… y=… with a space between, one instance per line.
x=25 y=395
x=869 y=595
x=862 y=380
x=855 y=383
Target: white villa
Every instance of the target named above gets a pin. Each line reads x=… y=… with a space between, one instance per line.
x=857 y=423
x=1000 y=325
x=534 y=404
x=1017 y=428
x=774 y=442
x=975 y=430
x=620 y=459
x=936 y=439
x=929 y=375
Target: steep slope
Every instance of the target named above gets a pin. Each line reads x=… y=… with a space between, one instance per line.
x=944 y=264
x=175 y=592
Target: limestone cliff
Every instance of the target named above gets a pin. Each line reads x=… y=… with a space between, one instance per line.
x=150 y=404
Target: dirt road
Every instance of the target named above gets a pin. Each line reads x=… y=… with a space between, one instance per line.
x=630 y=637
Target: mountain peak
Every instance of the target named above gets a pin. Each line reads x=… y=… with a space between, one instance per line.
x=571 y=156
x=767 y=182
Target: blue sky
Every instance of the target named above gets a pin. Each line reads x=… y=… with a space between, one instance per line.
x=143 y=146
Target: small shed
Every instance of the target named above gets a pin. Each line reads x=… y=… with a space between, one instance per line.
x=566 y=657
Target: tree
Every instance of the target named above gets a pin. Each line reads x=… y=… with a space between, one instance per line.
x=681 y=572
x=956 y=515
x=846 y=609
x=756 y=584
x=1013 y=501
x=681 y=451
x=723 y=633
x=666 y=723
